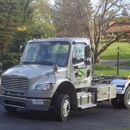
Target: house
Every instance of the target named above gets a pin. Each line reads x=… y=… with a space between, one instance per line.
x=116 y=29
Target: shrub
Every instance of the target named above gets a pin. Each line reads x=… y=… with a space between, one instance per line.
x=103 y=67
x=122 y=37
x=102 y=37
x=8 y=59
x=111 y=37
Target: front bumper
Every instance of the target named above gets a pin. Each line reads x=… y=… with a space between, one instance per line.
x=29 y=104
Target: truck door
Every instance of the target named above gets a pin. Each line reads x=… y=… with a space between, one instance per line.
x=81 y=73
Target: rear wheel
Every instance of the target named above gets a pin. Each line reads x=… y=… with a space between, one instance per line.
x=122 y=101
x=62 y=107
x=127 y=98
x=10 y=109
x=118 y=102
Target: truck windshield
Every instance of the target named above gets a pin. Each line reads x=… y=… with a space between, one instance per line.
x=46 y=53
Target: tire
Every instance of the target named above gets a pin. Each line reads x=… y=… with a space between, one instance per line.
x=62 y=107
x=127 y=98
x=118 y=102
x=115 y=102
x=122 y=101
x=10 y=109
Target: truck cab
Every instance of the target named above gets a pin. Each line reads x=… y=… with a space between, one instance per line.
x=54 y=73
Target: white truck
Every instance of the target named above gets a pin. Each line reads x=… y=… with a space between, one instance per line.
x=57 y=73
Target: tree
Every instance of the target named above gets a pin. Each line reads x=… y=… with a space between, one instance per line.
x=22 y=32
x=7 y=21
x=15 y=17
x=8 y=59
x=42 y=26
x=125 y=12
x=88 y=22
x=105 y=12
x=13 y=13
x=35 y=23
x=66 y=16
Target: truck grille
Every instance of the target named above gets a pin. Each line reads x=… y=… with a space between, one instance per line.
x=15 y=83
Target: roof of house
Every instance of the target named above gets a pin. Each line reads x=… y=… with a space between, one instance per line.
x=119 y=28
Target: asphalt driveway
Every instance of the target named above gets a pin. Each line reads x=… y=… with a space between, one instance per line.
x=102 y=117
x=114 y=63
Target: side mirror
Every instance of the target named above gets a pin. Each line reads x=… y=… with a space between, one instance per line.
x=85 y=62
x=20 y=50
x=87 y=53
x=55 y=68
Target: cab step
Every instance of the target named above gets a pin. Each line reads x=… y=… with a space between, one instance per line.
x=87 y=106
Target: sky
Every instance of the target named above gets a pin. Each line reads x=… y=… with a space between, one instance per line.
x=93 y=1
x=52 y=1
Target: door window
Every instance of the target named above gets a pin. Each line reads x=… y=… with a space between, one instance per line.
x=78 y=53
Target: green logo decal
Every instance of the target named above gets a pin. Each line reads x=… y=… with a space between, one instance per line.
x=81 y=72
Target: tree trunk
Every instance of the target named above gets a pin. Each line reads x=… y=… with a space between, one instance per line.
x=96 y=55
x=96 y=59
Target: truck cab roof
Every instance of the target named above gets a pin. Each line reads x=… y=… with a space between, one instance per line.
x=71 y=40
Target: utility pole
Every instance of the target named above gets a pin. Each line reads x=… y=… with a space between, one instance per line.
x=118 y=57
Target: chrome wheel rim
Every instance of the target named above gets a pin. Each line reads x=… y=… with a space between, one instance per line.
x=66 y=108
x=128 y=97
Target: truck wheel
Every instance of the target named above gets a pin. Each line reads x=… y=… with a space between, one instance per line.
x=62 y=107
x=115 y=102
x=127 y=98
x=118 y=102
x=10 y=109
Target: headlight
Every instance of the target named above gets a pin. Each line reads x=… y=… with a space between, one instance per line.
x=44 y=87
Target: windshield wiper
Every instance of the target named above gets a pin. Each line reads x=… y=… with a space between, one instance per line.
x=46 y=62
x=30 y=62
x=38 y=62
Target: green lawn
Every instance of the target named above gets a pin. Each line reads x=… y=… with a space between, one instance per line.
x=111 y=52
x=109 y=70
x=124 y=73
